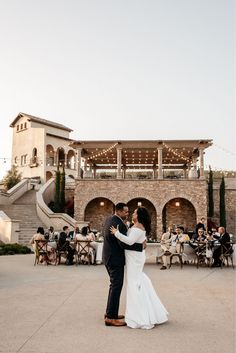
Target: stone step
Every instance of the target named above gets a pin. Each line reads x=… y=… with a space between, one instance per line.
x=24 y=210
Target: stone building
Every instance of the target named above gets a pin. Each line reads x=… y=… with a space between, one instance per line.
x=39 y=146
x=166 y=176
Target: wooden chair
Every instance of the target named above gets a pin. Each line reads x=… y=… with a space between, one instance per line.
x=61 y=250
x=41 y=251
x=200 y=252
x=179 y=255
x=83 y=252
x=226 y=254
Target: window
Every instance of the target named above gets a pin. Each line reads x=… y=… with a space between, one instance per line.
x=25 y=125
x=17 y=128
x=21 y=126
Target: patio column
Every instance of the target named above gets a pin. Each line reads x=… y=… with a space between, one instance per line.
x=194 y=167
x=160 y=170
x=65 y=161
x=185 y=172
x=119 y=160
x=94 y=171
x=201 y=152
x=154 y=168
x=78 y=160
x=124 y=171
x=55 y=161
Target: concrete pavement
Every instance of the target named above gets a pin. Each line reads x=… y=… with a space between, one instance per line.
x=55 y=309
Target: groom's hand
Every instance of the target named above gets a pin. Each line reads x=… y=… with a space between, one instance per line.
x=144 y=244
x=113 y=230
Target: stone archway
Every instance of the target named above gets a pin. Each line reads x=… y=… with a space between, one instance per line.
x=50 y=155
x=134 y=203
x=97 y=210
x=179 y=211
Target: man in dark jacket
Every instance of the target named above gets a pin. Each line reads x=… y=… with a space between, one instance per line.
x=223 y=239
x=114 y=260
x=64 y=244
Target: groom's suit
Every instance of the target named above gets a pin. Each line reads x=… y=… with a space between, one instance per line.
x=114 y=260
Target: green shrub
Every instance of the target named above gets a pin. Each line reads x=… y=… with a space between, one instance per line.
x=12 y=249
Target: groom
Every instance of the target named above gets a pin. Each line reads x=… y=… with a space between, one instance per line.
x=114 y=260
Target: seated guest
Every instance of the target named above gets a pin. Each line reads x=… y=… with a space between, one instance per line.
x=73 y=233
x=50 y=251
x=64 y=244
x=37 y=236
x=51 y=233
x=86 y=235
x=224 y=239
x=199 y=238
x=166 y=240
x=176 y=243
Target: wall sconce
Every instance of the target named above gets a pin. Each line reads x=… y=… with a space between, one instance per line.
x=177 y=204
x=139 y=204
x=102 y=203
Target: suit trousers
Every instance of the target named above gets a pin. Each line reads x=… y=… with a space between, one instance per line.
x=116 y=274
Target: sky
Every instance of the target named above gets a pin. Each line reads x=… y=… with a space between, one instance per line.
x=122 y=69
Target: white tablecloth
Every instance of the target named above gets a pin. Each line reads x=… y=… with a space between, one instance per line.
x=154 y=252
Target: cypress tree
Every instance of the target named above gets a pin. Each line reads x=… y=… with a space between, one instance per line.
x=62 y=190
x=57 y=191
x=222 y=203
x=210 y=194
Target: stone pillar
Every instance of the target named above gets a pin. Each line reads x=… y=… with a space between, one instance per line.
x=185 y=168
x=194 y=174
x=65 y=162
x=78 y=159
x=159 y=228
x=160 y=170
x=201 y=152
x=55 y=160
x=119 y=162
x=154 y=168
x=94 y=171
x=124 y=171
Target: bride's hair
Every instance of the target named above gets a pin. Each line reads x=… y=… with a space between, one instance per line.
x=144 y=218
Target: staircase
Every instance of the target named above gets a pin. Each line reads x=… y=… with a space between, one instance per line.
x=24 y=210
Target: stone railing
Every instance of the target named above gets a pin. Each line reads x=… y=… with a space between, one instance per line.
x=47 y=216
x=9 y=229
x=8 y=197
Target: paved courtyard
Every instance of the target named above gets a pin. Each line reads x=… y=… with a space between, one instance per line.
x=60 y=309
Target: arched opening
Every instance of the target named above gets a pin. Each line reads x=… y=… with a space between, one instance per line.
x=97 y=210
x=134 y=203
x=34 y=158
x=48 y=175
x=71 y=159
x=179 y=211
x=50 y=155
x=61 y=156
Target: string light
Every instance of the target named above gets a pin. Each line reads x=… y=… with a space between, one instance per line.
x=104 y=152
x=175 y=153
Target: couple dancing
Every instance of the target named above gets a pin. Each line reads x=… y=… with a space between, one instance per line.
x=143 y=307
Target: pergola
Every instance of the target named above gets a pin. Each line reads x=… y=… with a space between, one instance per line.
x=149 y=154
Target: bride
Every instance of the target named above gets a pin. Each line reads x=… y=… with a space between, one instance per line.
x=143 y=307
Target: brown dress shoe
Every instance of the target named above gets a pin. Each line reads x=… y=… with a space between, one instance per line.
x=120 y=317
x=114 y=322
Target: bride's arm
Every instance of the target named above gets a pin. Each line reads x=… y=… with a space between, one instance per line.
x=130 y=239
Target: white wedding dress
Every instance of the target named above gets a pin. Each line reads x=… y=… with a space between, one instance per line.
x=143 y=307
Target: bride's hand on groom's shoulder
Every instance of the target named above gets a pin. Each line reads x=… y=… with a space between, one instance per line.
x=113 y=229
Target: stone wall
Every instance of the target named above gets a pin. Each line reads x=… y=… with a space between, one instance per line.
x=158 y=192
x=230 y=203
